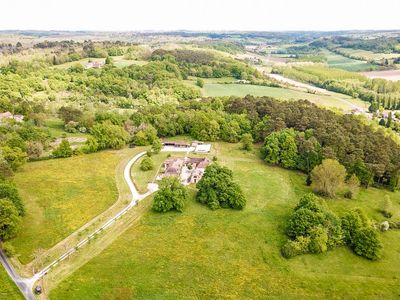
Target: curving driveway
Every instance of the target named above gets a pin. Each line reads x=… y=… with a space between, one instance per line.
x=26 y=284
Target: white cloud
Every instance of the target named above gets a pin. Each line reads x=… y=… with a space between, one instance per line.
x=199 y=15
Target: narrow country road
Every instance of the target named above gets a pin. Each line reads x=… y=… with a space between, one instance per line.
x=26 y=284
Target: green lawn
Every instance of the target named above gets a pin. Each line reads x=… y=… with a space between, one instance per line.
x=120 y=62
x=8 y=290
x=56 y=128
x=341 y=62
x=241 y=90
x=61 y=195
x=204 y=254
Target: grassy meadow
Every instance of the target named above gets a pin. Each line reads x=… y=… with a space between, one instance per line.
x=204 y=254
x=8 y=290
x=341 y=62
x=368 y=55
x=61 y=195
x=334 y=100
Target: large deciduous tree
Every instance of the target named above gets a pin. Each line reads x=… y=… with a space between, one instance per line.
x=171 y=195
x=9 y=220
x=328 y=177
x=217 y=189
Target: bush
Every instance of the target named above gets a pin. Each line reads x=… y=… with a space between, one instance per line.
x=63 y=150
x=387 y=207
x=365 y=243
x=303 y=221
x=156 y=146
x=147 y=164
x=8 y=249
x=318 y=240
x=296 y=247
x=351 y=222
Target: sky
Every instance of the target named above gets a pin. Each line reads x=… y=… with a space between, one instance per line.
x=199 y=15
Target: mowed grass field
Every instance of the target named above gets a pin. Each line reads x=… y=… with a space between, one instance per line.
x=341 y=102
x=341 y=62
x=8 y=290
x=204 y=254
x=61 y=195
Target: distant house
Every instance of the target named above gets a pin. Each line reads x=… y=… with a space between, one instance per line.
x=8 y=116
x=189 y=169
x=19 y=118
x=94 y=65
x=5 y=116
x=176 y=144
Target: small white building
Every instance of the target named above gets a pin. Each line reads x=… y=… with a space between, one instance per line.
x=203 y=148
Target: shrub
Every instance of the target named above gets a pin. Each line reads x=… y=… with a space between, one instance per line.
x=8 y=249
x=351 y=222
x=156 y=146
x=303 y=221
x=318 y=240
x=63 y=150
x=296 y=247
x=365 y=243
x=387 y=207
x=247 y=142
x=147 y=164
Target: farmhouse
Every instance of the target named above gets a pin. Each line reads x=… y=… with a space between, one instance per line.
x=94 y=65
x=8 y=116
x=176 y=144
x=189 y=169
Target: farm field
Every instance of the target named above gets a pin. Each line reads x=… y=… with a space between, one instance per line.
x=341 y=62
x=368 y=55
x=235 y=254
x=389 y=74
x=8 y=290
x=61 y=195
x=241 y=90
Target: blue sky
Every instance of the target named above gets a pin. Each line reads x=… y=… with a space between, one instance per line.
x=199 y=15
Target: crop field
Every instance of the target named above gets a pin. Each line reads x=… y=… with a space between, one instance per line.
x=386 y=74
x=60 y=196
x=341 y=62
x=8 y=290
x=368 y=55
x=236 y=254
x=336 y=101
